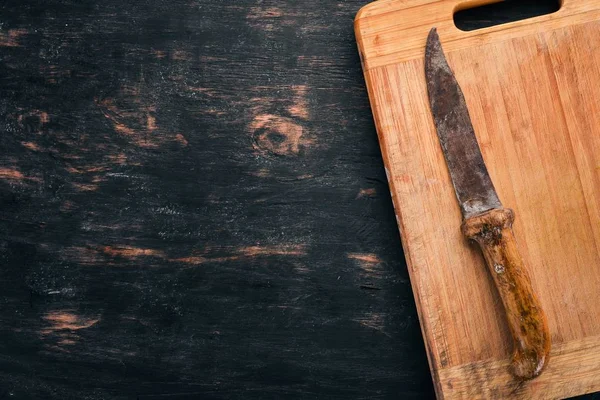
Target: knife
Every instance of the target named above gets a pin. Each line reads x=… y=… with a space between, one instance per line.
x=484 y=219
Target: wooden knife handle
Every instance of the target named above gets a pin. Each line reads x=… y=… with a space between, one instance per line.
x=526 y=319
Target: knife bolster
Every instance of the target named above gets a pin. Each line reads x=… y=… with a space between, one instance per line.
x=492 y=230
x=488 y=227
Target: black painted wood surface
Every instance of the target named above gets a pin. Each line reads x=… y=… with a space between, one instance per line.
x=194 y=205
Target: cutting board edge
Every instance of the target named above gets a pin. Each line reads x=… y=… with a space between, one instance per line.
x=574 y=370
x=380 y=52
x=431 y=356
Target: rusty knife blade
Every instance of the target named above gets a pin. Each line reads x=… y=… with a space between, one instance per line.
x=472 y=183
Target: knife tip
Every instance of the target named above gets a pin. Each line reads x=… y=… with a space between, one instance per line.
x=433 y=35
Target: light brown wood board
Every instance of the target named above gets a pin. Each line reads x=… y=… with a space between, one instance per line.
x=533 y=92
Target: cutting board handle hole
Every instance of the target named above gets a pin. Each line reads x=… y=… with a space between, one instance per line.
x=470 y=19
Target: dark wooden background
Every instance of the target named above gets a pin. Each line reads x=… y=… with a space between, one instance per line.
x=194 y=205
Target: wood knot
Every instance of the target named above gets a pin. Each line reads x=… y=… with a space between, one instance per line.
x=278 y=135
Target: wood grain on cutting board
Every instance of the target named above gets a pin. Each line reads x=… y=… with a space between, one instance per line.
x=532 y=88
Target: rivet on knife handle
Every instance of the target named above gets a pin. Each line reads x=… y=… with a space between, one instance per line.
x=484 y=218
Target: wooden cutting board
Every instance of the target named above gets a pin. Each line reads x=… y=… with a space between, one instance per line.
x=533 y=91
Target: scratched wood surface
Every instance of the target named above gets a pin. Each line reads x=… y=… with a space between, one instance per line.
x=194 y=205
x=531 y=89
